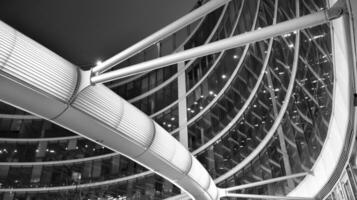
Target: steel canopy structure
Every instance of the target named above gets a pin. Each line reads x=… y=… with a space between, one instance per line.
x=35 y=79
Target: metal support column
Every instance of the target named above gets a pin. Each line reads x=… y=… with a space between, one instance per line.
x=182 y=106
x=306 y=21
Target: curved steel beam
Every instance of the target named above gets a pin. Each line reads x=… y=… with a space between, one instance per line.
x=37 y=80
x=57 y=162
x=75 y=187
x=34 y=140
x=18 y=116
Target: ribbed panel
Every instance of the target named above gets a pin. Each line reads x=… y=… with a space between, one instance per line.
x=40 y=68
x=100 y=103
x=136 y=125
x=199 y=174
x=163 y=144
x=212 y=190
x=7 y=42
x=182 y=158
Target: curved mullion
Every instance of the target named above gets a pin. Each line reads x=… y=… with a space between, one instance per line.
x=206 y=74
x=277 y=122
x=245 y=106
x=57 y=162
x=227 y=84
x=176 y=50
x=172 y=78
x=35 y=140
x=78 y=186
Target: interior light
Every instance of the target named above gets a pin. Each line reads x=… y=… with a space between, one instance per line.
x=99 y=62
x=224 y=76
x=235 y=56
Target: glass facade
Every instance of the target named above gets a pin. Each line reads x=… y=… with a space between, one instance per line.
x=248 y=114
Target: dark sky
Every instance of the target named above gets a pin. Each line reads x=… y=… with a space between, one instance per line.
x=84 y=31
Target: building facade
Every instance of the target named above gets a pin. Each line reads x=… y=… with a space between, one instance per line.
x=248 y=114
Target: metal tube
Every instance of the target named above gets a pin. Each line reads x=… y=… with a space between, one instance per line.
x=159 y=35
x=255 y=196
x=240 y=40
x=265 y=182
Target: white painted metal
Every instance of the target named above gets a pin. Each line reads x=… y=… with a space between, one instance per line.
x=57 y=162
x=255 y=196
x=236 y=41
x=35 y=140
x=36 y=80
x=159 y=35
x=339 y=124
x=74 y=187
x=18 y=116
x=265 y=182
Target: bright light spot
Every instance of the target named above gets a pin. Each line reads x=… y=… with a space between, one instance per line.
x=235 y=56
x=211 y=92
x=287 y=35
x=172 y=118
x=99 y=62
x=224 y=76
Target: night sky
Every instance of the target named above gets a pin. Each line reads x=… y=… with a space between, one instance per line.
x=83 y=31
